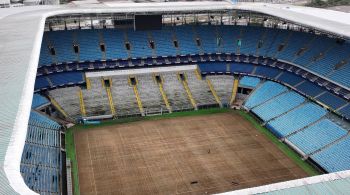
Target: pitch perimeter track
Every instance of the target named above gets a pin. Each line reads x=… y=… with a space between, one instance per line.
x=186 y=155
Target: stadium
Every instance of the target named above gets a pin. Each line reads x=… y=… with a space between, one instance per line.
x=202 y=97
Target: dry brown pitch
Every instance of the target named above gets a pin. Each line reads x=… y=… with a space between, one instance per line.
x=186 y=155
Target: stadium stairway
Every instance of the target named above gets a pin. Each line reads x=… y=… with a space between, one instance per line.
x=234 y=90
x=88 y=84
x=110 y=99
x=162 y=92
x=175 y=92
x=199 y=89
x=137 y=96
x=68 y=99
x=150 y=94
x=95 y=100
x=81 y=101
x=223 y=85
x=213 y=91
x=304 y=86
x=183 y=80
x=124 y=97
x=58 y=107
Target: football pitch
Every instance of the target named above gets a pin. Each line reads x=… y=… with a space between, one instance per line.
x=194 y=154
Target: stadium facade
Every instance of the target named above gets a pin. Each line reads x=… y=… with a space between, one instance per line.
x=21 y=37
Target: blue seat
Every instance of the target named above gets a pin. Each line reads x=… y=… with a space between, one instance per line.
x=320 y=44
x=140 y=46
x=63 y=42
x=164 y=42
x=66 y=78
x=41 y=159
x=45 y=56
x=115 y=44
x=296 y=119
x=229 y=35
x=247 y=81
x=278 y=106
x=326 y=65
x=246 y=40
x=212 y=67
x=250 y=39
x=41 y=82
x=345 y=111
x=207 y=35
x=267 y=71
x=89 y=45
x=38 y=101
x=281 y=36
x=331 y=100
x=263 y=93
x=297 y=41
x=241 y=68
x=290 y=78
x=186 y=40
x=309 y=88
x=317 y=136
x=334 y=158
x=342 y=75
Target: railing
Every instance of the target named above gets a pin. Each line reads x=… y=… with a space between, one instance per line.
x=110 y=100
x=234 y=91
x=81 y=101
x=213 y=91
x=138 y=99
x=165 y=98
x=198 y=75
x=188 y=91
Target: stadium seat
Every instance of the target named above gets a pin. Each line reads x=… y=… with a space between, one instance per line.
x=296 y=119
x=310 y=89
x=280 y=44
x=213 y=67
x=317 y=136
x=38 y=101
x=331 y=100
x=263 y=93
x=336 y=157
x=40 y=163
x=247 y=81
x=66 y=78
x=290 y=78
x=267 y=71
x=278 y=106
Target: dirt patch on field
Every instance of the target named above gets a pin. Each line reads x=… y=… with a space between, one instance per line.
x=186 y=155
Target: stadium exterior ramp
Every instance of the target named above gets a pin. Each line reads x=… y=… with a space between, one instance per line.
x=21 y=32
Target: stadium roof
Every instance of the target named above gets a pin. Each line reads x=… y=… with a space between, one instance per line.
x=21 y=32
x=333 y=183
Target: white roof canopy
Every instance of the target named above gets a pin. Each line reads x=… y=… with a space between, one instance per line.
x=21 y=31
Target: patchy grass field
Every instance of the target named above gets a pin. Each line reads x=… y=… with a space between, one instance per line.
x=212 y=151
